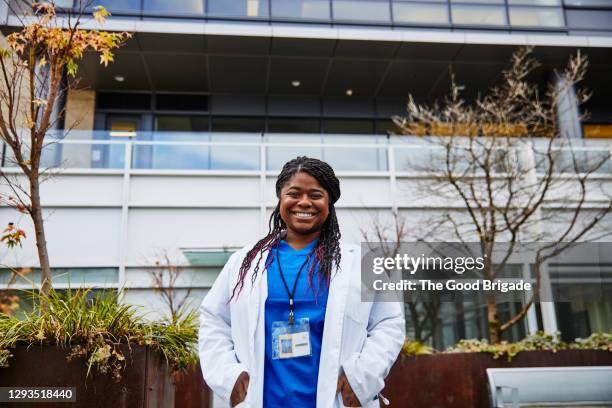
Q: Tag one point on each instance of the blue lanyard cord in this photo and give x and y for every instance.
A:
(292, 293)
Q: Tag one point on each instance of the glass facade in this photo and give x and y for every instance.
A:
(180, 123)
(545, 14)
(535, 2)
(420, 12)
(237, 8)
(187, 7)
(362, 10)
(301, 9)
(540, 17)
(588, 3)
(470, 14)
(445, 318)
(123, 5)
(584, 294)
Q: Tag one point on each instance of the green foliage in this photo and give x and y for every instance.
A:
(94, 328)
(542, 341)
(415, 348)
(596, 341)
(538, 341)
(12, 236)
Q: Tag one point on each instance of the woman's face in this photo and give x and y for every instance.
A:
(304, 204)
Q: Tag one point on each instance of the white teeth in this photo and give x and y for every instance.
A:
(302, 214)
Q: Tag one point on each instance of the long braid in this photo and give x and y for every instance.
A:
(327, 252)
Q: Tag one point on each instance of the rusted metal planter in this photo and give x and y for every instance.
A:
(459, 380)
(146, 381)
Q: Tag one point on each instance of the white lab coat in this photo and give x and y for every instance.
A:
(361, 338)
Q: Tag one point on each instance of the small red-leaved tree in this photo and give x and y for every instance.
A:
(33, 66)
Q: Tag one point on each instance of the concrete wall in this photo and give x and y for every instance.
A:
(80, 109)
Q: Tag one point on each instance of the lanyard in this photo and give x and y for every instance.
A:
(292, 293)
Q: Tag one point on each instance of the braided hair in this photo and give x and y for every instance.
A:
(327, 252)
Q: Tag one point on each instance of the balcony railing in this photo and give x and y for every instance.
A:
(254, 152)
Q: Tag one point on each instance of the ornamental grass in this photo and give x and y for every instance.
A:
(94, 325)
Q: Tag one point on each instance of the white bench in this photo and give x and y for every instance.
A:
(550, 386)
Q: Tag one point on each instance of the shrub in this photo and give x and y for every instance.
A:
(596, 341)
(94, 328)
(416, 348)
(538, 341)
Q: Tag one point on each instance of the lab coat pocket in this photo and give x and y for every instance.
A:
(339, 402)
(354, 334)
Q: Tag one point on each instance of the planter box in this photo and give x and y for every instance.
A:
(146, 381)
(459, 380)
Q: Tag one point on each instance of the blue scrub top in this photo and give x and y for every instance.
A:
(292, 382)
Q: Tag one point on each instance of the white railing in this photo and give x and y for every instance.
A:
(267, 152)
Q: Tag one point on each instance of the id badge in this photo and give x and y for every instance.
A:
(291, 340)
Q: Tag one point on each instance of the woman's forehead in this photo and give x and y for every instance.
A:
(303, 180)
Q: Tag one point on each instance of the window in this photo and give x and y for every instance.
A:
(536, 16)
(589, 19)
(293, 125)
(181, 102)
(117, 100)
(478, 15)
(535, 2)
(478, 1)
(385, 127)
(369, 10)
(238, 124)
(181, 123)
(19, 7)
(348, 126)
(583, 305)
(592, 130)
(588, 3)
(195, 7)
(421, 13)
(309, 9)
(122, 123)
(119, 126)
(237, 8)
(63, 3)
(132, 6)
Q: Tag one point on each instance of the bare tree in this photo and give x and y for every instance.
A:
(423, 316)
(32, 72)
(165, 276)
(513, 168)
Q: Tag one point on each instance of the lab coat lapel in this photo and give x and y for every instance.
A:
(256, 321)
(332, 332)
(257, 296)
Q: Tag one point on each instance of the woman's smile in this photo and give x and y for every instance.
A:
(305, 215)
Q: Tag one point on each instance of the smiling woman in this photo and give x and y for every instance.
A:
(292, 297)
(304, 205)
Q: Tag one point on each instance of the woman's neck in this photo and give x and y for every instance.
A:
(299, 241)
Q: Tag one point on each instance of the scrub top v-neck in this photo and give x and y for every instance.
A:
(292, 382)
